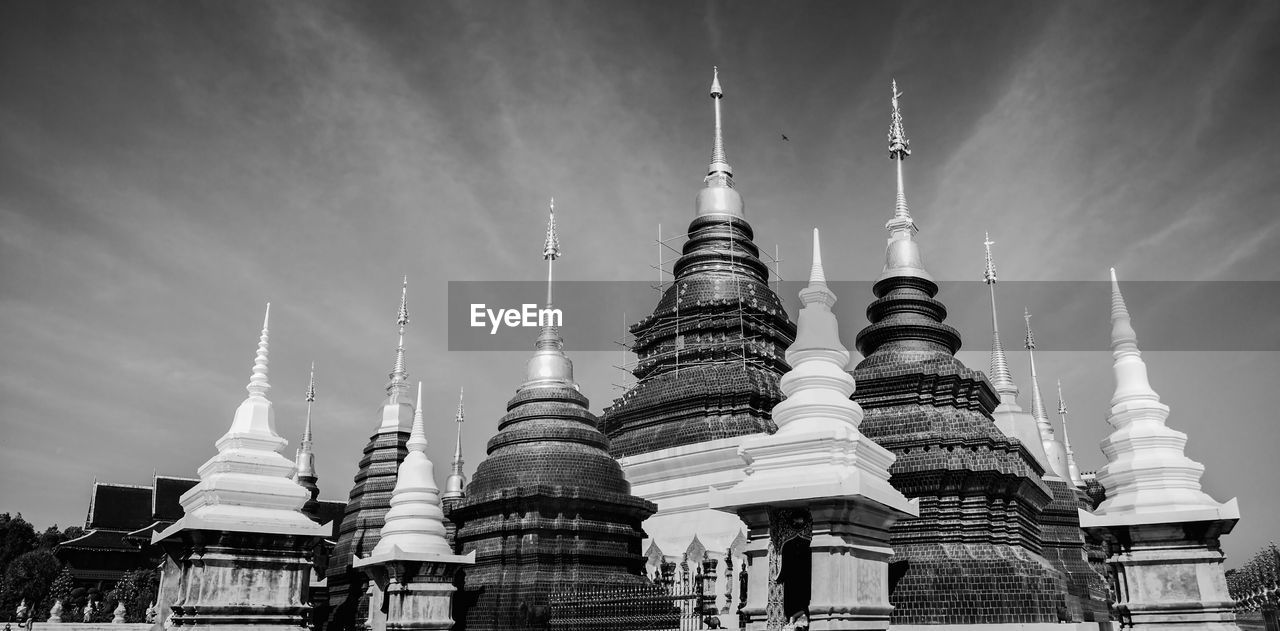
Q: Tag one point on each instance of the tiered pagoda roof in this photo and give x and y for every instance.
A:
(710, 355)
(973, 554)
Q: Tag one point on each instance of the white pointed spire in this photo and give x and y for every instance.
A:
(455, 486)
(718, 196)
(1148, 478)
(1053, 449)
(415, 523)
(258, 386)
(248, 485)
(1072, 469)
(399, 385)
(1001, 378)
(817, 450)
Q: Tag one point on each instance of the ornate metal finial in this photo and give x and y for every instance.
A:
(899, 150)
(899, 146)
(258, 385)
(1062, 407)
(456, 484)
(399, 376)
(311, 398)
(1030, 342)
(719, 171)
(304, 459)
(990, 274)
(418, 435)
(551, 246)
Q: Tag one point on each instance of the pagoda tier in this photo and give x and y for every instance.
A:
(710, 356)
(973, 554)
(547, 512)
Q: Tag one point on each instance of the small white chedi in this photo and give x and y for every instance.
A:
(412, 566)
(820, 471)
(1163, 529)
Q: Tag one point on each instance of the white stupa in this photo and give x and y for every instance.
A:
(248, 485)
(1147, 478)
(414, 528)
(817, 451)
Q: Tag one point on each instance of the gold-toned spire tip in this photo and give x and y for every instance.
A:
(1030, 342)
(311, 385)
(551, 245)
(459, 418)
(716, 92)
(989, 275)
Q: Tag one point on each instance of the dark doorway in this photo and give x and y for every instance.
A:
(795, 576)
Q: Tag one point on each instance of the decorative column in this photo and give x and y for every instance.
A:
(238, 556)
(412, 567)
(817, 478)
(1163, 530)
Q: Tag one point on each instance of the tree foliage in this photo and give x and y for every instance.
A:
(137, 590)
(30, 577)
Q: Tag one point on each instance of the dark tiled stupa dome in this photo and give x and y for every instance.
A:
(693, 383)
(548, 510)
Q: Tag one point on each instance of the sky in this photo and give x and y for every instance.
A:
(168, 168)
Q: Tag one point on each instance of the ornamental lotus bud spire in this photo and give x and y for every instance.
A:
(258, 386)
(455, 486)
(1037, 402)
(1000, 376)
(817, 276)
(399, 385)
(817, 291)
(1072, 469)
(551, 246)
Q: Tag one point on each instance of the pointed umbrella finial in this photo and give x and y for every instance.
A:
(1072, 468)
(817, 291)
(258, 385)
(456, 484)
(1001, 378)
(1122, 332)
(1052, 448)
(551, 246)
(418, 435)
(899, 146)
(719, 163)
(399, 376)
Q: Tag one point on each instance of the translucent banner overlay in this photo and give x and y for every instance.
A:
(1066, 315)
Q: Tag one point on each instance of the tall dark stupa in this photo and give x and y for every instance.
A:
(548, 511)
(973, 554)
(370, 497)
(710, 355)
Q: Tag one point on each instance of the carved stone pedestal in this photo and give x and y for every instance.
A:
(412, 594)
(1170, 576)
(232, 581)
(848, 546)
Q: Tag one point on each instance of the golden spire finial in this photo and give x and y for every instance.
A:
(1000, 375)
(455, 485)
(551, 246)
(304, 459)
(399, 376)
(899, 149)
(719, 168)
(311, 398)
(990, 274)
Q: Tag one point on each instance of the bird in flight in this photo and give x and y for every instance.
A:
(784, 137)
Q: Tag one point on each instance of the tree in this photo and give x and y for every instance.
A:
(17, 537)
(29, 577)
(50, 538)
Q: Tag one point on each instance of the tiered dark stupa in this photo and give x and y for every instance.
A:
(973, 555)
(709, 358)
(549, 511)
(370, 498)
